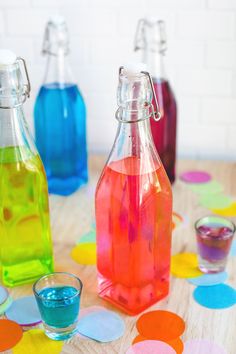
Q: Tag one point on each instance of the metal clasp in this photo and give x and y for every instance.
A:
(163, 39)
(140, 40)
(27, 86)
(155, 114)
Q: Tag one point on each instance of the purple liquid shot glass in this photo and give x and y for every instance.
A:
(214, 238)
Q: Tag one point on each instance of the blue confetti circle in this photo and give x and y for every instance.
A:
(24, 311)
(215, 297)
(233, 249)
(102, 325)
(209, 279)
(3, 295)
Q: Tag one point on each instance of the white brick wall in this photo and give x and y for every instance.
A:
(201, 62)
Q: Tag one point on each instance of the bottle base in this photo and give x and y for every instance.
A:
(133, 301)
(65, 186)
(27, 272)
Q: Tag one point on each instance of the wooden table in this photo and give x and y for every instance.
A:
(71, 217)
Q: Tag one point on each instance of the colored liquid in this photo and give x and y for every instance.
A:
(214, 242)
(164, 131)
(133, 221)
(26, 249)
(60, 313)
(60, 130)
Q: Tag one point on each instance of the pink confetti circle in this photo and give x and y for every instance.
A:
(203, 346)
(151, 347)
(195, 177)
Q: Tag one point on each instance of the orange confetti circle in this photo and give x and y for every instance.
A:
(160, 325)
(176, 344)
(10, 334)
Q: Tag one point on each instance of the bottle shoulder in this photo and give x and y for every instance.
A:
(135, 171)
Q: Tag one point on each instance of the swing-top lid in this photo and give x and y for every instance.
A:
(13, 90)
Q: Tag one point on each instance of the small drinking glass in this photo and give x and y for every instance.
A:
(58, 298)
(214, 239)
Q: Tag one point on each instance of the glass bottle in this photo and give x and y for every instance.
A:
(60, 116)
(133, 205)
(26, 247)
(151, 40)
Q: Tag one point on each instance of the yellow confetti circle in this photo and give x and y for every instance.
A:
(229, 211)
(35, 341)
(185, 265)
(84, 253)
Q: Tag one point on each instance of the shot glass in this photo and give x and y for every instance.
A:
(58, 298)
(214, 238)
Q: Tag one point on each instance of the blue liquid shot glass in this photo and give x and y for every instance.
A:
(58, 298)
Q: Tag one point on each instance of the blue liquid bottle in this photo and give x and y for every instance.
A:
(60, 117)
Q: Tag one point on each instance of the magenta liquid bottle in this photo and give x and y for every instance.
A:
(151, 40)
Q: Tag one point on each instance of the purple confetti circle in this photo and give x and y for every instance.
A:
(195, 177)
(203, 346)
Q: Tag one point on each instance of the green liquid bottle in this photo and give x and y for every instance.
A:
(25, 236)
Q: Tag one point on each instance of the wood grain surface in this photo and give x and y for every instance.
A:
(72, 216)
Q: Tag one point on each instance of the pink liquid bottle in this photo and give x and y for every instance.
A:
(151, 40)
(134, 205)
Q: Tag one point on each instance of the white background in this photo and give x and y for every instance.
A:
(201, 62)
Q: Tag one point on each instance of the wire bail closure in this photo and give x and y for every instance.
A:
(155, 114)
(47, 42)
(27, 86)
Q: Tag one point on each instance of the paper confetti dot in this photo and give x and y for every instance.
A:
(88, 238)
(84, 253)
(215, 297)
(197, 346)
(233, 248)
(185, 265)
(3, 294)
(138, 339)
(85, 311)
(229, 211)
(151, 347)
(103, 326)
(10, 334)
(176, 344)
(209, 279)
(215, 201)
(160, 325)
(35, 341)
(212, 187)
(6, 305)
(195, 177)
(24, 311)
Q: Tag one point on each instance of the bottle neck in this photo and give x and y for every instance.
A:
(135, 139)
(14, 130)
(57, 69)
(155, 62)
